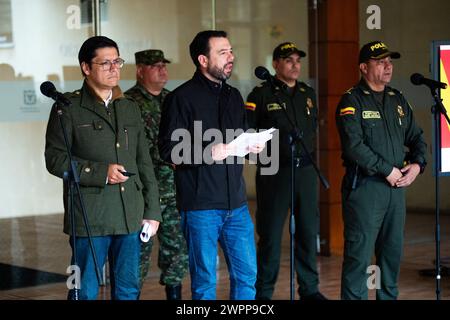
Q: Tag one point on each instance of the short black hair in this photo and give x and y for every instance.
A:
(200, 44)
(88, 48)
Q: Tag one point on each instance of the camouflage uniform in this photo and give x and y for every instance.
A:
(172, 258)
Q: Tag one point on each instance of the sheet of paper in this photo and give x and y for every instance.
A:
(240, 146)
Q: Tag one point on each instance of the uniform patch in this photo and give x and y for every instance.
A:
(250, 106)
(302, 90)
(391, 93)
(347, 111)
(371, 115)
(401, 114)
(273, 107)
(366, 92)
(309, 103)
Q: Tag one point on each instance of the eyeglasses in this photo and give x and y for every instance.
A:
(107, 65)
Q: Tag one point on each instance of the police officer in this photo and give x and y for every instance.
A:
(149, 93)
(375, 124)
(288, 105)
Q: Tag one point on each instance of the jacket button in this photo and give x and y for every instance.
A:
(118, 145)
(87, 170)
(122, 188)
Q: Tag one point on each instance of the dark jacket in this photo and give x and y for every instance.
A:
(97, 138)
(298, 110)
(374, 135)
(203, 186)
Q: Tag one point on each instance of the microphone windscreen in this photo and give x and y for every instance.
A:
(262, 73)
(47, 88)
(416, 78)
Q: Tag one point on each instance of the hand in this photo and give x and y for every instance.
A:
(220, 151)
(153, 223)
(410, 173)
(114, 175)
(393, 177)
(257, 148)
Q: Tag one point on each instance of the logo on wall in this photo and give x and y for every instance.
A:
(29, 97)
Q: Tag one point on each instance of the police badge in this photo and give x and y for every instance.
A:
(309, 105)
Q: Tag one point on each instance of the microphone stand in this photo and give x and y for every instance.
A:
(72, 179)
(295, 136)
(437, 110)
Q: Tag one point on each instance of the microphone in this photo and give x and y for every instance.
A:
(418, 79)
(262, 73)
(48, 89)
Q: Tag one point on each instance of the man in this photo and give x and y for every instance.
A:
(149, 93)
(375, 124)
(210, 193)
(106, 138)
(290, 106)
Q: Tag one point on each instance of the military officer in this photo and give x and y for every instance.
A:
(290, 106)
(106, 138)
(376, 124)
(149, 93)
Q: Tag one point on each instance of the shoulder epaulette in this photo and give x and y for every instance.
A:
(349, 91)
(73, 94)
(392, 91)
(304, 84)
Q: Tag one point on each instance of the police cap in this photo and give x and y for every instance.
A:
(376, 50)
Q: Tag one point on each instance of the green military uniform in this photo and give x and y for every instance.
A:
(172, 258)
(374, 129)
(98, 137)
(298, 109)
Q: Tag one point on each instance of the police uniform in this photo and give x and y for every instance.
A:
(172, 257)
(374, 129)
(286, 108)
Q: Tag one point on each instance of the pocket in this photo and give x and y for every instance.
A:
(85, 125)
(91, 133)
(139, 185)
(374, 131)
(130, 136)
(90, 190)
(277, 116)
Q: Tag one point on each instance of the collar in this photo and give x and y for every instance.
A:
(214, 86)
(366, 89)
(148, 94)
(116, 93)
(108, 100)
(90, 99)
(144, 91)
(283, 84)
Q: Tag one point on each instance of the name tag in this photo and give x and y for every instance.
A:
(371, 115)
(273, 107)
